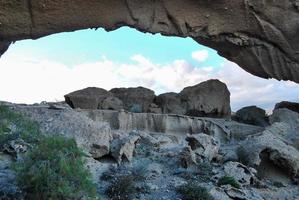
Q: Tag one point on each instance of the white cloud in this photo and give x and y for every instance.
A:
(26, 80)
(200, 56)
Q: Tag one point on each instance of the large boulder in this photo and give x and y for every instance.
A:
(252, 115)
(272, 155)
(207, 99)
(88, 98)
(111, 103)
(134, 98)
(288, 105)
(205, 146)
(170, 103)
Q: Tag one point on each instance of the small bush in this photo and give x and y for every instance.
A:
(243, 156)
(54, 169)
(192, 191)
(125, 181)
(14, 125)
(122, 188)
(228, 180)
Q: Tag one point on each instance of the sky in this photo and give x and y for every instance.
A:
(48, 68)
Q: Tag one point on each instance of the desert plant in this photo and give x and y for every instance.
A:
(122, 188)
(14, 125)
(192, 191)
(54, 169)
(125, 180)
(228, 180)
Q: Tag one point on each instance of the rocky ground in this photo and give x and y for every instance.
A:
(152, 155)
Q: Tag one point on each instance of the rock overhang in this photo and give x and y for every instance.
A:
(261, 37)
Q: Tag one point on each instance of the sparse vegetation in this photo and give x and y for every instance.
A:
(124, 184)
(192, 191)
(54, 169)
(202, 172)
(13, 125)
(228, 180)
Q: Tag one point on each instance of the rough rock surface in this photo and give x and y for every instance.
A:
(124, 148)
(288, 105)
(111, 103)
(204, 146)
(170, 103)
(135, 97)
(93, 137)
(287, 123)
(251, 33)
(271, 153)
(161, 158)
(88, 98)
(178, 125)
(252, 115)
(207, 99)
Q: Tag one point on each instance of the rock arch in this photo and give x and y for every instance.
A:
(261, 36)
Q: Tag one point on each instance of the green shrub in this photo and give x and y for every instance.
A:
(54, 169)
(192, 191)
(228, 180)
(14, 125)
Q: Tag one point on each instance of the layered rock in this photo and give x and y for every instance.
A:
(251, 33)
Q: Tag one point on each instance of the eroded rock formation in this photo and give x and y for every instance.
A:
(260, 36)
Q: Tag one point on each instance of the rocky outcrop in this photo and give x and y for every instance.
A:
(204, 146)
(251, 33)
(111, 103)
(135, 99)
(207, 99)
(123, 149)
(93, 137)
(288, 105)
(88, 98)
(252, 115)
(170, 103)
(273, 156)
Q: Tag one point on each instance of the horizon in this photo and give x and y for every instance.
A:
(50, 67)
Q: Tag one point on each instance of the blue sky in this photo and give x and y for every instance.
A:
(90, 45)
(48, 68)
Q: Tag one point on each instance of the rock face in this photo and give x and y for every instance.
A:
(112, 103)
(93, 137)
(89, 98)
(170, 103)
(288, 105)
(135, 97)
(252, 115)
(251, 33)
(207, 99)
